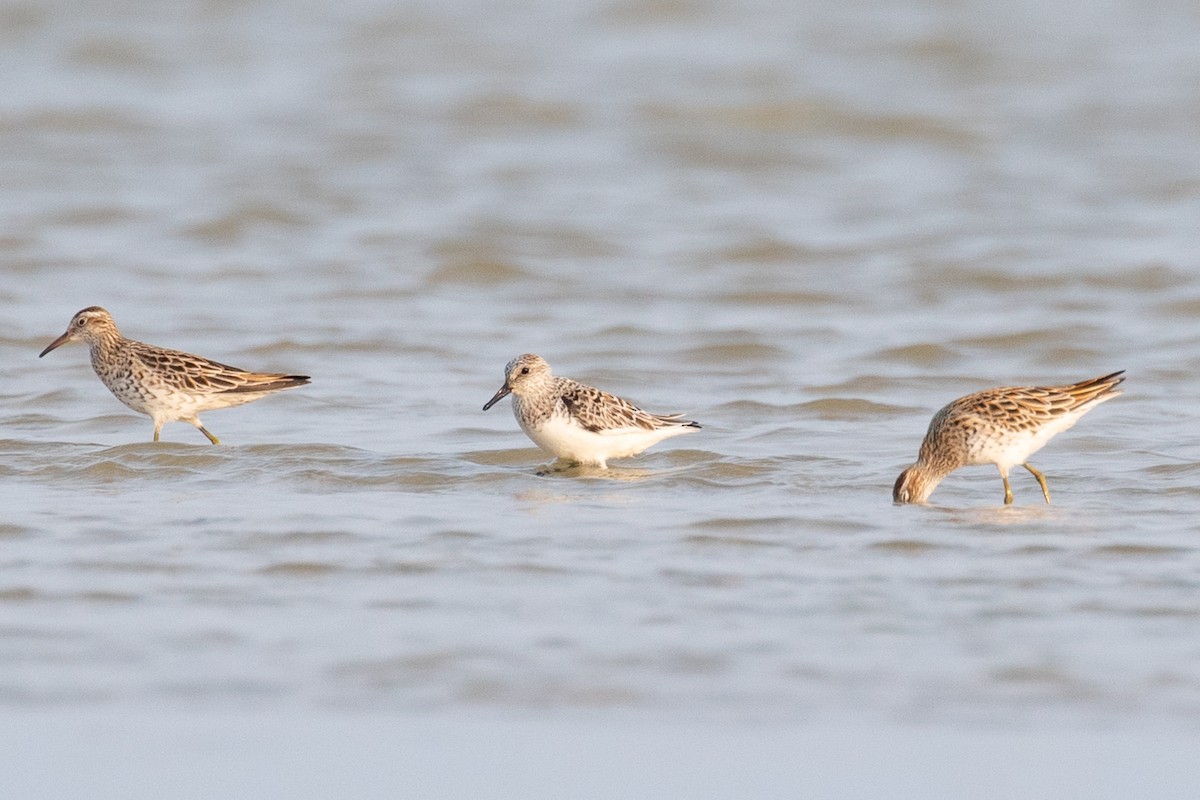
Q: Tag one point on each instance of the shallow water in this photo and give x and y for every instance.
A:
(808, 229)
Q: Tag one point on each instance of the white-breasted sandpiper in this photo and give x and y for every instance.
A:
(579, 423)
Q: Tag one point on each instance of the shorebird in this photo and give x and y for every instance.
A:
(579, 423)
(1003, 426)
(166, 385)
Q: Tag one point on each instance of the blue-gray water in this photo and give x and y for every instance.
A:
(809, 228)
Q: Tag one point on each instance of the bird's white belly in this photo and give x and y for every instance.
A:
(560, 436)
(1010, 448)
(159, 400)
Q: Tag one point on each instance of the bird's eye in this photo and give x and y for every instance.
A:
(524, 370)
(79, 323)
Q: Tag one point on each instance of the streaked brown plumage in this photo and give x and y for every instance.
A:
(1002, 426)
(166, 385)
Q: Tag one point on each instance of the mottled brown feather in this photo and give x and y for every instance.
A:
(162, 383)
(1002, 426)
(596, 410)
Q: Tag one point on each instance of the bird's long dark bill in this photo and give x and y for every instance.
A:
(59, 342)
(504, 390)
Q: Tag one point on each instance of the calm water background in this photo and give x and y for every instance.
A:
(808, 227)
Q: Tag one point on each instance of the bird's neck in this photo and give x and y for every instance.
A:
(105, 347)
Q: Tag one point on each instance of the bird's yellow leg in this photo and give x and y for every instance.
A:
(1007, 490)
(1041, 479)
(211, 438)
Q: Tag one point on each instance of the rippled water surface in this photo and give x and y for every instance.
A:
(808, 228)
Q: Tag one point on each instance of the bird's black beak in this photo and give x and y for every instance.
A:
(496, 398)
(59, 342)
